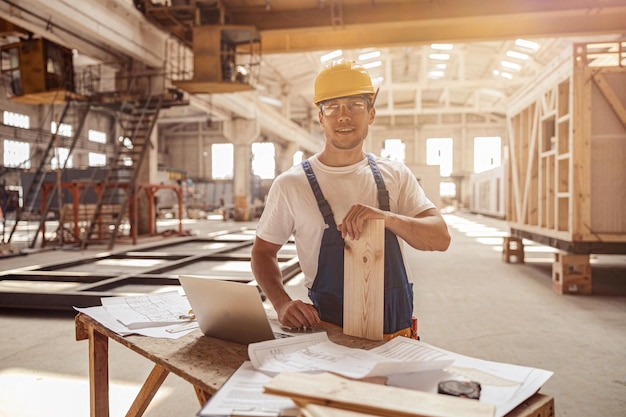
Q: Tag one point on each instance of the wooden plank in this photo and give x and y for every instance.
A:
(580, 189)
(380, 400)
(364, 282)
(98, 373)
(148, 391)
(315, 410)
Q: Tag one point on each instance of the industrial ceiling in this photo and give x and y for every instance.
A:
(470, 84)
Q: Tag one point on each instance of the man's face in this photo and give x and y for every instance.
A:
(346, 121)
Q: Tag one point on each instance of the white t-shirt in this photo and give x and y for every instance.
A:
(291, 208)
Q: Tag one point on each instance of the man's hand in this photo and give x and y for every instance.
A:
(352, 223)
(296, 314)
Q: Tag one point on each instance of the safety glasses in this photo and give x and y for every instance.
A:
(353, 105)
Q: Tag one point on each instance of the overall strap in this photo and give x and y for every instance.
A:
(383, 194)
(323, 205)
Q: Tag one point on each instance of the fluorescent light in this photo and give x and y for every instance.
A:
(373, 64)
(511, 65)
(506, 75)
(442, 46)
(441, 66)
(517, 55)
(369, 55)
(331, 55)
(436, 74)
(533, 46)
(495, 72)
(441, 57)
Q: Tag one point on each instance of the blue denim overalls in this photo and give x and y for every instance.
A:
(327, 290)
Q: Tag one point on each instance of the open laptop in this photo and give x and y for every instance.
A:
(229, 310)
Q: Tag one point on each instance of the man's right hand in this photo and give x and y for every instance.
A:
(297, 314)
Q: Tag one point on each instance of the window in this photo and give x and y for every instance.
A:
(297, 157)
(222, 161)
(263, 162)
(487, 153)
(394, 149)
(16, 120)
(97, 136)
(447, 189)
(439, 152)
(60, 156)
(16, 154)
(64, 129)
(97, 159)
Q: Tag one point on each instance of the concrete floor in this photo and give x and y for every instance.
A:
(468, 301)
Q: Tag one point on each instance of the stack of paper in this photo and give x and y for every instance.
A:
(164, 315)
(407, 363)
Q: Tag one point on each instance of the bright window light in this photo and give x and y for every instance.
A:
(16, 154)
(96, 136)
(331, 55)
(297, 157)
(394, 149)
(64, 129)
(222, 161)
(369, 55)
(263, 160)
(97, 159)
(439, 152)
(511, 65)
(373, 64)
(59, 159)
(517, 55)
(447, 189)
(487, 153)
(442, 46)
(533, 46)
(440, 57)
(16, 119)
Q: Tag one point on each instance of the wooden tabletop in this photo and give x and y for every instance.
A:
(204, 361)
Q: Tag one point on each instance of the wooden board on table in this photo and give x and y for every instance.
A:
(379, 400)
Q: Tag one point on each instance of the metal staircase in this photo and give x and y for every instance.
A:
(117, 193)
(30, 198)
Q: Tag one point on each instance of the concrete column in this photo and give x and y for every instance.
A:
(284, 156)
(242, 132)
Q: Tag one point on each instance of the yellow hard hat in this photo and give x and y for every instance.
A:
(340, 79)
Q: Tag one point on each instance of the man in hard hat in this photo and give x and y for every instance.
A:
(330, 196)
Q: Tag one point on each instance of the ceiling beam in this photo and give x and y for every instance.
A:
(437, 21)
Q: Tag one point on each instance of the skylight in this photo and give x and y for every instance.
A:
(532, 46)
(331, 55)
(440, 57)
(369, 55)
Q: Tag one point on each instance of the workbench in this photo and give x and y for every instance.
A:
(206, 363)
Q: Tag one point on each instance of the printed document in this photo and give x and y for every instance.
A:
(316, 353)
(243, 395)
(153, 315)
